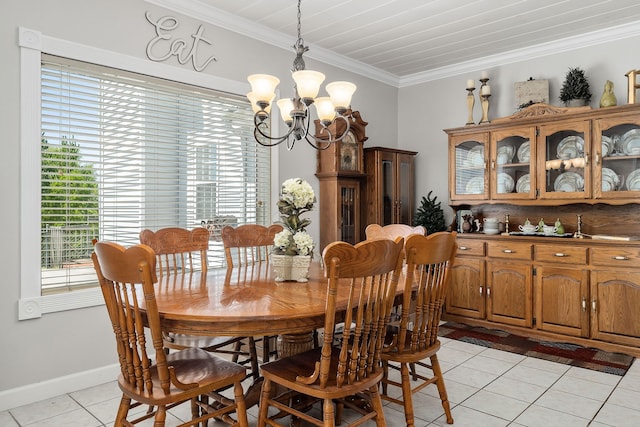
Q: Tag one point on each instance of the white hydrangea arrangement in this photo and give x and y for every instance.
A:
(296, 198)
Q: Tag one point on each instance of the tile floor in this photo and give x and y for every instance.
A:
(486, 388)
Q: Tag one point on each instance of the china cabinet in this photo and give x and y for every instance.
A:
(390, 186)
(340, 171)
(579, 167)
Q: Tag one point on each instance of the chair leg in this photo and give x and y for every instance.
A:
(241, 407)
(406, 394)
(263, 406)
(123, 410)
(376, 403)
(442, 391)
(161, 416)
(328, 414)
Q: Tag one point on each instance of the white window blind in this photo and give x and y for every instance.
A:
(122, 152)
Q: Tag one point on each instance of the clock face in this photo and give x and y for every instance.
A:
(349, 159)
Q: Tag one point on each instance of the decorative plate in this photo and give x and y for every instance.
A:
(571, 147)
(569, 182)
(631, 142)
(505, 183)
(524, 152)
(633, 180)
(607, 146)
(475, 156)
(475, 185)
(523, 185)
(610, 180)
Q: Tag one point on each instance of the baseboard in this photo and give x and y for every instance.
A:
(31, 393)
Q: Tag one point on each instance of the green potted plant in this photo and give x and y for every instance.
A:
(575, 89)
(430, 215)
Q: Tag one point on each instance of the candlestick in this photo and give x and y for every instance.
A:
(485, 108)
(471, 100)
(471, 84)
(485, 90)
(484, 75)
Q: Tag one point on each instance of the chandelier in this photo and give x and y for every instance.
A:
(296, 111)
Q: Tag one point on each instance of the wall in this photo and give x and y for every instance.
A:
(69, 350)
(425, 110)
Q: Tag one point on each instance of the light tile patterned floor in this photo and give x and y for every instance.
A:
(486, 388)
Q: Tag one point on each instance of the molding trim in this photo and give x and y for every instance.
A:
(220, 18)
(12, 398)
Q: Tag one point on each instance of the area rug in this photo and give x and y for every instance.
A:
(568, 354)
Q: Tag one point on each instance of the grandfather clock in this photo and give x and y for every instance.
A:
(340, 171)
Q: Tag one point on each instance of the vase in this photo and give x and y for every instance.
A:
(291, 267)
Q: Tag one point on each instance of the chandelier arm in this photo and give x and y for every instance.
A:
(258, 124)
(319, 143)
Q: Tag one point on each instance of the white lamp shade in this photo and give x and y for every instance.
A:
(263, 86)
(254, 103)
(341, 93)
(325, 109)
(286, 106)
(308, 83)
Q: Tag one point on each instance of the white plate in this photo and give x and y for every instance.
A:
(610, 180)
(571, 147)
(607, 146)
(475, 156)
(631, 142)
(523, 184)
(475, 185)
(633, 180)
(568, 182)
(505, 183)
(505, 154)
(524, 152)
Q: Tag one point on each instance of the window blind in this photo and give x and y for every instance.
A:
(121, 152)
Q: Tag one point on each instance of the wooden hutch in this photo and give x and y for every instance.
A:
(580, 166)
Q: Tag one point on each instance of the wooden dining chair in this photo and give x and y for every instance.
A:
(391, 231)
(429, 260)
(368, 272)
(179, 250)
(251, 244)
(148, 375)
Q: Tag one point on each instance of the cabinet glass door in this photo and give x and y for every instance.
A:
(512, 156)
(564, 170)
(405, 186)
(469, 180)
(388, 179)
(349, 222)
(617, 158)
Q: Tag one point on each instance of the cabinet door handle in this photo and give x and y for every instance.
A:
(480, 289)
(597, 159)
(593, 305)
(508, 251)
(488, 292)
(584, 304)
(620, 258)
(560, 254)
(463, 248)
(586, 159)
(493, 165)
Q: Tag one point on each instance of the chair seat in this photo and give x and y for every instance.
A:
(284, 372)
(405, 353)
(193, 367)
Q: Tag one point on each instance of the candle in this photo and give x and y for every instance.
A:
(485, 90)
(484, 75)
(471, 84)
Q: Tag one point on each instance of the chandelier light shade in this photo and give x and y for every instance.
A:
(295, 112)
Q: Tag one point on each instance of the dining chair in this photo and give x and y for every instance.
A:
(334, 373)
(251, 244)
(179, 250)
(391, 231)
(428, 260)
(148, 374)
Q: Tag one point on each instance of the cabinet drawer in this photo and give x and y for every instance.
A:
(560, 254)
(510, 250)
(470, 247)
(616, 257)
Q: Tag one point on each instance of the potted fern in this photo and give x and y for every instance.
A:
(575, 90)
(430, 215)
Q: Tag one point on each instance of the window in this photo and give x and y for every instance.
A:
(121, 152)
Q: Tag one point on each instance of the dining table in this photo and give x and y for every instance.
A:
(247, 301)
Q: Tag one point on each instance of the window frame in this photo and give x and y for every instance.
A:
(32, 44)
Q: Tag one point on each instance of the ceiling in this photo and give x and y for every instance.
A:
(403, 42)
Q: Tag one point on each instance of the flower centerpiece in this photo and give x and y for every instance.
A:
(293, 246)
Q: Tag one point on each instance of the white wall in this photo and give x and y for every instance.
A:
(425, 110)
(69, 350)
(42, 357)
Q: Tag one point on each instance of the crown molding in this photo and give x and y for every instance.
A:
(198, 10)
